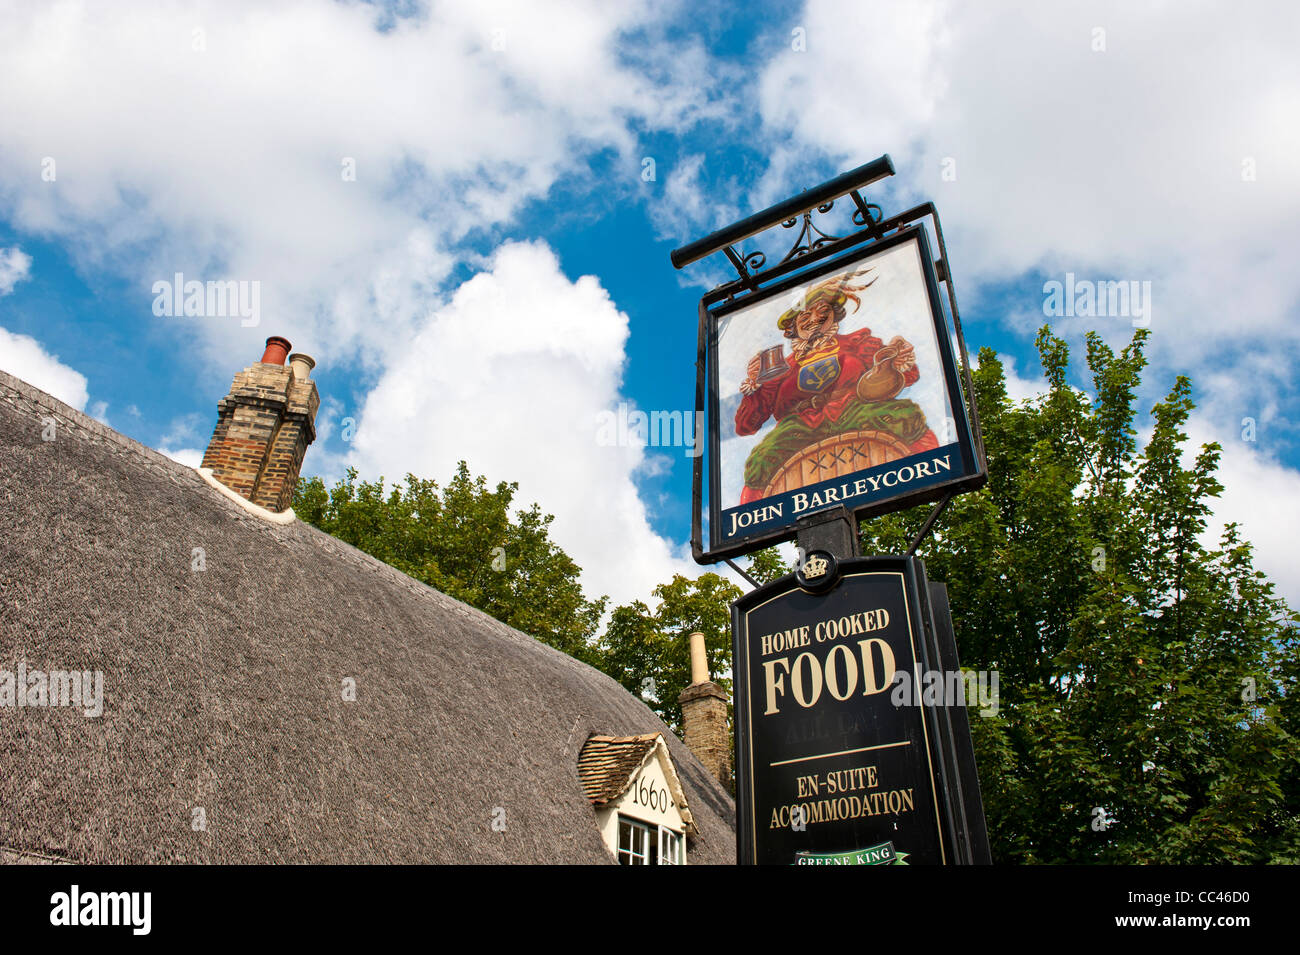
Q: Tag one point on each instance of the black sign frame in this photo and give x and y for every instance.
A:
(950, 779)
(971, 470)
(815, 253)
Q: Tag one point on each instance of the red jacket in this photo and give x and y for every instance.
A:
(816, 389)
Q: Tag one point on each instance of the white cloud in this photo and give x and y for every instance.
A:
(190, 457)
(1259, 494)
(220, 143)
(182, 428)
(14, 267)
(868, 81)
(24, 358)
(1121, 164)
(216, 142)
(1019, 388)
(511, 376)
(685, 202)
(1130, 163)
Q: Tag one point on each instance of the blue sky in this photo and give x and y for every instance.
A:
(494, 274)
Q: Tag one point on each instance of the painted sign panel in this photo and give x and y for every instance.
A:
(837, 387)
(831, 771)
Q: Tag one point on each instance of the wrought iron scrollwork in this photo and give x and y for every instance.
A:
(810, 237)
(872, 210)
(747, 264)
(865, 213)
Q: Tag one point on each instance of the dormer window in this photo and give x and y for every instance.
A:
(672, 847)
(641, 844)
(640, 807)
(634, 842)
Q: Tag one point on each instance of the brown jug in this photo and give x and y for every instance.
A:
(772, 366)
(883, 381)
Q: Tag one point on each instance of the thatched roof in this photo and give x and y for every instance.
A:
(223, 687)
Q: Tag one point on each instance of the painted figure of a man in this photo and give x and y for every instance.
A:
(831, 384)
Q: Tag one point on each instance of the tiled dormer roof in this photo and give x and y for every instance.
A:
(608, 764)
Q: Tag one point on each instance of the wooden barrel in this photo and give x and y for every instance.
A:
(836, 456)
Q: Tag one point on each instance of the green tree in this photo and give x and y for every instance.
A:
(648, 651)
(1140, 672)
(767, 565)
(463, 541)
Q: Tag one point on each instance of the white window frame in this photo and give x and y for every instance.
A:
(639, 838)
(670, 845)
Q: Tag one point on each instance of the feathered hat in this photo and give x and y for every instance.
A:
(838, 291)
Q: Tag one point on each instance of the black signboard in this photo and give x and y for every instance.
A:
(831, 768)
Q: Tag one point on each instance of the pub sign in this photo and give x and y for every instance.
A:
(835, 387)
(831, 770)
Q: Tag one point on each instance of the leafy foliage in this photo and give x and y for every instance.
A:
(649, 651)
(767, 565)
(463, 541)
(1141, 673)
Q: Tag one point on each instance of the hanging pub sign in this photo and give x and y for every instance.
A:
(829, 378)
(834, 765)
(838, 387)
(833, 393)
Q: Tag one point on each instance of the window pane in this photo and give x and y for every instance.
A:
(639, 841)
(642, 844)
(669, 847)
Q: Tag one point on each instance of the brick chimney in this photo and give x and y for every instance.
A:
(704, 716)
(264, 426)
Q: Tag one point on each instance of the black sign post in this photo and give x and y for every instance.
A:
(839, 759)
(833, 393)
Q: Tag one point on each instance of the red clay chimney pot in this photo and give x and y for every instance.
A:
(276, 349)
